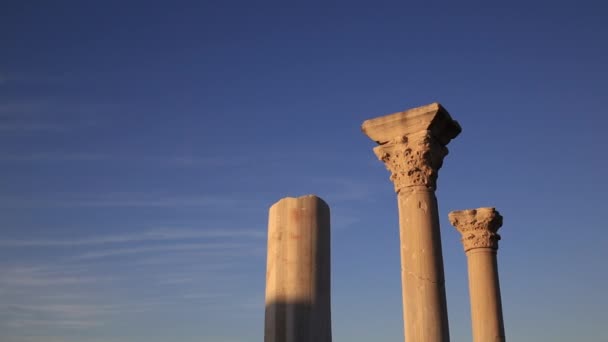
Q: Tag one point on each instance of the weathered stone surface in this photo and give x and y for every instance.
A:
(412, 144)
(422, 275)
(478, 227)
(298, 271)
(480, 240)
(432, 117)
(413, 160)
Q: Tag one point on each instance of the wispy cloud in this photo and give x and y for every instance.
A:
(165, 234)
(52, 157)
(31, 126)
(13, 77)
(114, 252)
(66, 310)
(341, 221)
(121, 200)
(60, 315)
(346, 190)
(204, 296)
(28, 336)
(181, 257)
(43, 296)
(193, 273)
(19, 110)
(204, 161)
(53, 322)
(38, 116)
(42, 276)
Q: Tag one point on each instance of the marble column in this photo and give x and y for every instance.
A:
(412, 144)
(480, 239)
(298, 271)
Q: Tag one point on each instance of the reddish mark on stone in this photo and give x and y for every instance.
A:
(295, 215)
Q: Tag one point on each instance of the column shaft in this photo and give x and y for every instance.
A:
(484, 289)
(423, 285)
(412, 145)
(479, 229)
(298, 271)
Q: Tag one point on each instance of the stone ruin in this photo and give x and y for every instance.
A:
(412, 144)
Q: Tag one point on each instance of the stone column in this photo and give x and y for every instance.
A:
(298, 271)
(478, 228)
(412, 144)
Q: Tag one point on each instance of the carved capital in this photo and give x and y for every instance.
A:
(478, 227)
(413, 160)
(412, 143)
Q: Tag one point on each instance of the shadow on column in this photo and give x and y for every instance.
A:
(296, 322)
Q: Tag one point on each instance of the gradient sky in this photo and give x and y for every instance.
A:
(142, 143)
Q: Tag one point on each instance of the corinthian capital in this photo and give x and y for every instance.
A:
(412, 160)
(413, 143)
(478, 227)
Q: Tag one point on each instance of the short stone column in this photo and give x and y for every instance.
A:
(478, 228)
(298, 271)
(412, 144)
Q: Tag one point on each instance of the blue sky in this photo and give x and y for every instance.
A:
(142, 143)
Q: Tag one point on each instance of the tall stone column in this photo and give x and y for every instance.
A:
(298, 271)
(478, 228)
(412, 144)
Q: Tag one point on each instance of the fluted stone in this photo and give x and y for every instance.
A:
(298, 271)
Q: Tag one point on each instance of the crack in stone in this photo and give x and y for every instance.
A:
(425, 278)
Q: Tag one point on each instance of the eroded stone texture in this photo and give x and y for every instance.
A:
(298, 271)
(432, 117)
(412, 144)
(480, 240)
(412, 160)
(478, 227)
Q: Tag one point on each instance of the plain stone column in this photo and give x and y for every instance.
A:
(298, 271)
(412, 144)
(480, 239)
